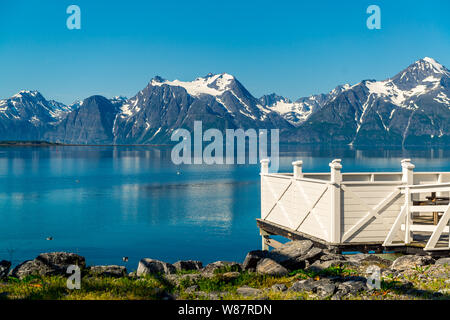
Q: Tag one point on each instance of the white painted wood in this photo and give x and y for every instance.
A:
(428, 208)
(423, 228)
(352, 207)
(431, 244)
(396, 227)
(371, 212)
(298, 172)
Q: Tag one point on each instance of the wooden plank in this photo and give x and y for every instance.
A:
(395, 228)
(429, 208)
(272, 243)
(424, 228)
(431, 244)
(372, 213)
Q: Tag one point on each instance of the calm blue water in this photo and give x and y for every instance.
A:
(108, 202)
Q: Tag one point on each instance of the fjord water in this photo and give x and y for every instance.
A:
(106, 203)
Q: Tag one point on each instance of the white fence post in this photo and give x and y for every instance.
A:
(298, 170)
(264, 171)
(408, 179)
(335, 190)
(264, 166)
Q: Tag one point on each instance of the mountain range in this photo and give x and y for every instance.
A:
(411, 108)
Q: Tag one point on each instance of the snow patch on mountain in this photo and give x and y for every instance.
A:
(214, 85)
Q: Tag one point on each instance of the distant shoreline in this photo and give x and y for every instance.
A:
(57, 144)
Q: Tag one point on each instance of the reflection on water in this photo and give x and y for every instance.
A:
(110, 202)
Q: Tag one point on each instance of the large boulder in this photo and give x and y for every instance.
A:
(188, 265)
(443, 261)
(108, 271)
(4, 268)
(48, 264)
(253, 257)
(291, 254)
(411, 261)
(271, 267)
(151, 266)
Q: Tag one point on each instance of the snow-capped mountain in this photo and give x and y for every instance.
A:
(413, 107)
(299, 111)
(219, 101)
(27, 114)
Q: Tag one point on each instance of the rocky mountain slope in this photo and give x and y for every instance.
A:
(411, 108)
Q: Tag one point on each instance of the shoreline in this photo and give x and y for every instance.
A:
(297, 270)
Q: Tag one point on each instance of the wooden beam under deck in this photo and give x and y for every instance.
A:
(272, 228)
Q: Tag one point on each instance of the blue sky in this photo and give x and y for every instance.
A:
(293, 48)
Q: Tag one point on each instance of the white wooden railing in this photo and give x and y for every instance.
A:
(404, 221)
(374, 207)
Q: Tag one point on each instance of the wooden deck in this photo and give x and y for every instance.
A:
(403, 211)
(415, 247)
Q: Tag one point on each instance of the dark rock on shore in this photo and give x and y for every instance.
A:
(108, 271)
(271, 267)
(47, 264)
(443, 261)
(188, 265)
(4, 268)
(222, 265)
(151, 266)
(253, 257)
(410, 261)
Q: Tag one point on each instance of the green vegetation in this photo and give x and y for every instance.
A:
(417, 283)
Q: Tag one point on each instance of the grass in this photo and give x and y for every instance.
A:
(417, 283)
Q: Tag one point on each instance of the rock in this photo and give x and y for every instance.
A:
(188, 265)
(324, 288)
(281, 287)
(177, 279)
(192, 289)
(46, 264)
(321, 265)
(229, 276)
(132, 275)
(4, 268)
(108, 271)
(367, 259)
(224, 266)
(411, 261)
(253, 257)
(248, 291)
(303, 285)
(290, 255)
(441, 261)
(152, 266)
(332, 256)
(351, 287)
(271, 267)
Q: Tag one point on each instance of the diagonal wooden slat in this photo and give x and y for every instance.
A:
(431, 244)
(277, 199)
(395, 227)
(372, 212)
(311, 207)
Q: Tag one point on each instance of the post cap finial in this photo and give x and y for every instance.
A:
(336, 164)
(297, 163)
(406, 163)
(264, 161)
